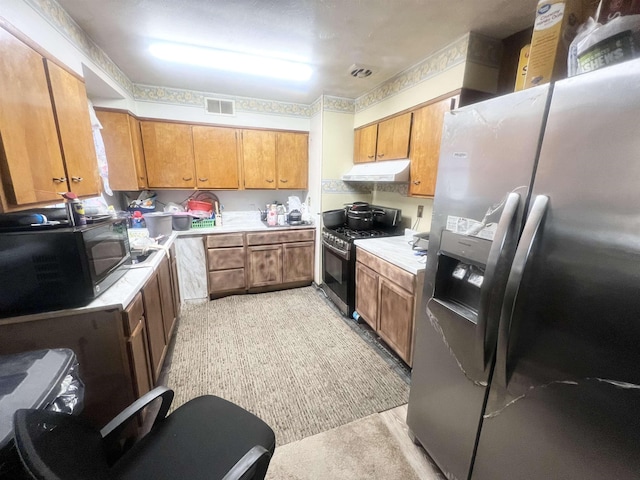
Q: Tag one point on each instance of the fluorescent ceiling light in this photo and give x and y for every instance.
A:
(232, 61)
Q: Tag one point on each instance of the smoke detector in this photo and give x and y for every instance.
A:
(360, 71)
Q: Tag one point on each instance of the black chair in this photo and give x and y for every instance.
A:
(207, 437)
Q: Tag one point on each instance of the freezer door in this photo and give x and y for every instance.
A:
(565, 395)
(487, 159)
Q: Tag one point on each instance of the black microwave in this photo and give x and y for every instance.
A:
(50, 269)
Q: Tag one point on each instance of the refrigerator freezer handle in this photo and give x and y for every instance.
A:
(529, 236)
(499, 249)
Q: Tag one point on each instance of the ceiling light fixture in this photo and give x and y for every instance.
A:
(232, 61)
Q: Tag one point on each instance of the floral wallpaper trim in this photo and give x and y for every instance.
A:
(316, 107)
(177, 96)
(338, 186)
(400, 188)
(339, 104)
(448, 57)
(59, 19)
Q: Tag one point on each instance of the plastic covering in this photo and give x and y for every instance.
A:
(41, 379)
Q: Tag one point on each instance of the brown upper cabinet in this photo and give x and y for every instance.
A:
(387, 140)
(393, 138)
(259, 159)
(216, 155)
(425, 146)
(275, 159)
(366, 138)
(168, 153)
(123, 147)
(35, 142)
(71, 109)
(292, 159)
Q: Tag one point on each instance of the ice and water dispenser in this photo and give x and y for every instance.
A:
(462, 261)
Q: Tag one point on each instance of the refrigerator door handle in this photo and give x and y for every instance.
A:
(499, 249)
(529, 236)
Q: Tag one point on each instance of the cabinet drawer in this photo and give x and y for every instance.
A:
(225, 240)
(280, 236)
(397, 275)
(225, 258)
(132, 314)
(224, 280)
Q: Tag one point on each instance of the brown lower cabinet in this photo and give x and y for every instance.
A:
(387, 298)
(258, 261)
(120, 353)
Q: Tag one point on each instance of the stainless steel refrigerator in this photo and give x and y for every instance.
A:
(527, 352)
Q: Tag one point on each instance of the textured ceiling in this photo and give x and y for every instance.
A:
(387, 35)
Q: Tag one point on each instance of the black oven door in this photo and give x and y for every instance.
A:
(107, 250)
(336, 275)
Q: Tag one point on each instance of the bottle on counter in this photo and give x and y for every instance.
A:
(75, 209)
(272, 216)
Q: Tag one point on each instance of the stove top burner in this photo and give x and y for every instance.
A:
(356, 234)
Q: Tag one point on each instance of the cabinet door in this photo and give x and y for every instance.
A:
(76, 136)
(425, 147)
(297, 262)
(265, 265)
(31, 162)
(168, 153)
(395, 318)
(155, 325)
(139, 359)
(292, 160)
(367, 294)
(393, 138)
(216, 154)
(118, 144)
(177, 300)
(367, 148)
(166, 298)
(138, 152)
(259, 159)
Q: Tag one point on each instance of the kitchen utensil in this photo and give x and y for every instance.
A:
(362, 221)
(334, 218)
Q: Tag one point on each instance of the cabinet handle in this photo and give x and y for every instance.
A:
(416, 182)
(202, 179)
(76, 179)
(381, 155)
(270, 180)
(186, 179)
(283, 180)
(60, 179)
(141, 178)
(369, 156)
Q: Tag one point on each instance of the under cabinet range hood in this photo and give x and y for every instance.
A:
(387, 171)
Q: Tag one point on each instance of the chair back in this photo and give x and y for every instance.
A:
(59, 446)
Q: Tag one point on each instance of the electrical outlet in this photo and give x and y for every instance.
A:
(420, 209)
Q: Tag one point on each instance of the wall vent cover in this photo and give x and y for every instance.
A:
(219, 106)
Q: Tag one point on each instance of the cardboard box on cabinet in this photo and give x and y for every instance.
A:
(555, 26)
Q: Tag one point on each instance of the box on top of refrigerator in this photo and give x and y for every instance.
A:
(555, 26)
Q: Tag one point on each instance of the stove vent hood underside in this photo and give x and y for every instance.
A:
(387, 171)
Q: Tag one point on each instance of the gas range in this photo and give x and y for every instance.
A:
(339, 257)
(342, 238)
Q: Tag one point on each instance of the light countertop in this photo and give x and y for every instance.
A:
(395, 250)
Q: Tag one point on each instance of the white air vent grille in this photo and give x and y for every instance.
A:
(218, 106)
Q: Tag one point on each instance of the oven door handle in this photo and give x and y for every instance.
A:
(340, 253)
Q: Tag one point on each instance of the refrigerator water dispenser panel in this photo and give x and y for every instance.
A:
(460, 273)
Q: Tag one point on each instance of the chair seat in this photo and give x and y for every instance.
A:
(198, 440)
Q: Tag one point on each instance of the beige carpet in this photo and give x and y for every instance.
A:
(361, 450)
(286, 356)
